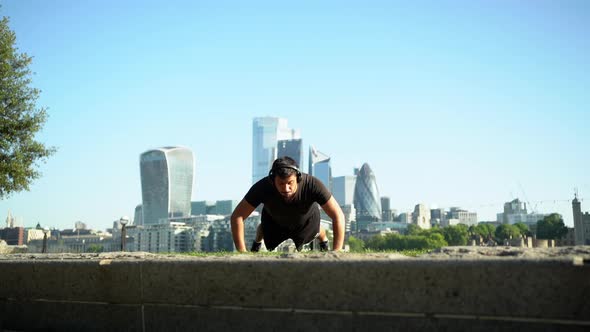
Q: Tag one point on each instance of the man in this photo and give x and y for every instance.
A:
(290, 210)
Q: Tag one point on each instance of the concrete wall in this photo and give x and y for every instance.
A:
(321, 292)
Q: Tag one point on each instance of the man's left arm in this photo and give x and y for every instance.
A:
(334, 211)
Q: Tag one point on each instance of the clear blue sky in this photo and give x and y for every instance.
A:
(452, 103)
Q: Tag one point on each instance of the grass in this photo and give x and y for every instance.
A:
(407, 252)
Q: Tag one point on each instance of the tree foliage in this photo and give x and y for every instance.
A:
(551, 227)
(96, 248)
(505, 232)
(456, 235)
(398, 242)
(356, 245)
(486, 231)
(413, 229)
(524, 229)
(20, 118)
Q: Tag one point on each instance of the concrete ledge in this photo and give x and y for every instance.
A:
(47, 315)
(167, 318)
(344, 292)
(449, 287)
(83, 281)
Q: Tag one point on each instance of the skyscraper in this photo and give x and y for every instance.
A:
(343, 192)
(343, 189)
(166, 183)
(266, 132)
(437, 216)
(291, 148)
(320, 166)
(366, 195)
(138, 217)
(386, 213)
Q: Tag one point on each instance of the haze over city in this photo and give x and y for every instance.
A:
(452, 103)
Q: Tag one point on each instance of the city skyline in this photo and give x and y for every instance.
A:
(451, 103)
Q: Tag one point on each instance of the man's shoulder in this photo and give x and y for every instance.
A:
(306, 177)
(259, 192)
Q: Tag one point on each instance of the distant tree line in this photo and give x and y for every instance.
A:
(550, 227)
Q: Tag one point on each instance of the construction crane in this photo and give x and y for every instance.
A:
(533, 209)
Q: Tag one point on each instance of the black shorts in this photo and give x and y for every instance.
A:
(275, 234)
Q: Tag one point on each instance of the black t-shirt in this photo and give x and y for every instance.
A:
(292, 214)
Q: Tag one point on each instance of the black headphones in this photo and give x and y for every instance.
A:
(272, 172)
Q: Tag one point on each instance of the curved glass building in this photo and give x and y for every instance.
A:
(320, 166)
(367, 201)
(166, 183)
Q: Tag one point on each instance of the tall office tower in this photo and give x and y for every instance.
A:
(343, 192)
(266, 132)
(421, 216)
(138, 216)
(386, 212)
(320, 166)
(579, 232)
(367, 201)
(291, 148)
(437, 216)
(343, 189)
(166, 183)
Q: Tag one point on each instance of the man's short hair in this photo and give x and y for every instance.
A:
(283, 168)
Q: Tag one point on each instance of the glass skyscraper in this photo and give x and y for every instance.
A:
(366, 195)
(291, 148)
(320, 166)
(166, 183)
(266, 132)
(138, 215)
(343, 189)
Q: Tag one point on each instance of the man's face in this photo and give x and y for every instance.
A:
(287, 187)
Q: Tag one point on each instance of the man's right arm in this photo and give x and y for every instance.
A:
(242, 211)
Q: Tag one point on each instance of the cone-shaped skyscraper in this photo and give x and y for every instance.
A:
(367, 201)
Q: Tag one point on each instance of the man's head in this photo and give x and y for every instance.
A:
(285, 176)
